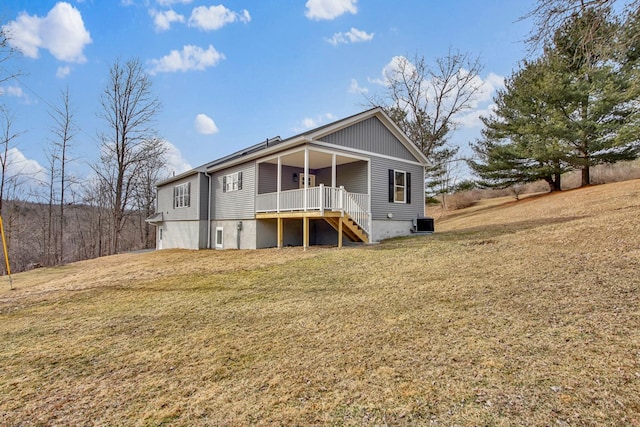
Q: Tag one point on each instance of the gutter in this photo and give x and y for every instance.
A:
(208, 212)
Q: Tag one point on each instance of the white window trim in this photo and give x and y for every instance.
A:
(311, 180)
(182, 195)
(220, 244)
(232, 181)
(396, 186)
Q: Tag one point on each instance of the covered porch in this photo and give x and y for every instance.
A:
(311, 183)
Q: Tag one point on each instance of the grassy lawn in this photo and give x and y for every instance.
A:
(513, 313)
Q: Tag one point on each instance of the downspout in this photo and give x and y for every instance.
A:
(208, 212)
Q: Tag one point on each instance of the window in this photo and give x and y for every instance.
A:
(232, 182)
(311, 180)
(182, 195)
(399, 186)
(219, 237)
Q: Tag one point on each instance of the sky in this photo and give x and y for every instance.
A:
(232, 74)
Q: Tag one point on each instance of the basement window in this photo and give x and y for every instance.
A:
(219, 237)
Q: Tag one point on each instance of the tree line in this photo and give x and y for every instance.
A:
(65, 220)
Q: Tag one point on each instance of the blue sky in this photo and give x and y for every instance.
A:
(232, 74)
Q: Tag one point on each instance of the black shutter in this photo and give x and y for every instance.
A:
(224, 184)
(175, 192)
(187, 200)
(239, 180)
(408, 187)
(391, 185)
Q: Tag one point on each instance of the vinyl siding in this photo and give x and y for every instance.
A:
(353, 177)
(235, 204)
(370, 135)
(203, 195)
(268, 178)
(380, 204)
(193, 211)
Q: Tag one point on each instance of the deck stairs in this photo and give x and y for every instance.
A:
(349, 228)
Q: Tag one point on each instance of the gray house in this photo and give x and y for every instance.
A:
(359, 179)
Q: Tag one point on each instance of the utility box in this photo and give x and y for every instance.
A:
(424, 225)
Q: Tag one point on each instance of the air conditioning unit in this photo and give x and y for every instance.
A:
(424, 225)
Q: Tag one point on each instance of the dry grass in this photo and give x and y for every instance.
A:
(513, 313)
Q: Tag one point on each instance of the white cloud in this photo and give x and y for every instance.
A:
(216, 17)
(166, 3)
(354, 87)
(24, 170)
(61, 32)
(190, 58)
(353, 36)
(490, 85)
(175, 162)
(12, 91)
(329, 9)
(164, 19)
(397, 66)
(472, 118)
(63, 72)
(205, 125)
(310, 123)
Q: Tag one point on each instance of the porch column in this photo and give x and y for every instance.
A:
(279, 185)
(306, 177)
(305, 232)
(280, 232)
(333, 170)
(340, 219)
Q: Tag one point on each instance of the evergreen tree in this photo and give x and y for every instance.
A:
(573, 108)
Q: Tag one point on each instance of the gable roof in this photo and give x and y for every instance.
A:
(276, 144)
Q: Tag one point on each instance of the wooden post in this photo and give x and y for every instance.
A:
(340, 219)
(305, 232)
(280, 232)
(6, 254)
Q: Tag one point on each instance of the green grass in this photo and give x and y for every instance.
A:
(523, 313)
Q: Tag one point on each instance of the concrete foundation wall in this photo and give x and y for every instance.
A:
(386, 229)
(179, 234)
(230, 234)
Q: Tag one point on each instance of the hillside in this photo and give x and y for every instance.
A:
(513, 313)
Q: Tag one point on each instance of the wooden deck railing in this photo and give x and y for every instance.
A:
(320, 198)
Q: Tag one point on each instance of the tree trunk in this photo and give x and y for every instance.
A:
(558, 181)
(586, 176)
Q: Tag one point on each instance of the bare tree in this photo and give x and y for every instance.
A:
(6, 52)
(7, 140)
(550, 15)
(425, 100)
(153, 170)
(63, 131)
(128, 107)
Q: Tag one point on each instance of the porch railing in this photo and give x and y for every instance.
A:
(320, 198)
